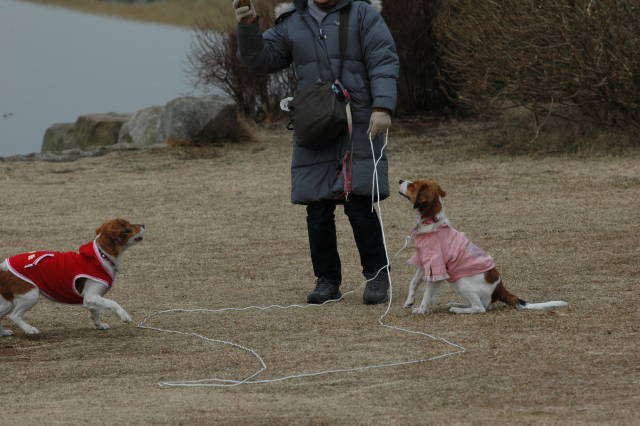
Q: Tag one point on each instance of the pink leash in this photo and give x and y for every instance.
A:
(347, 159)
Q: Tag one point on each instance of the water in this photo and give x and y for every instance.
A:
(57, 64)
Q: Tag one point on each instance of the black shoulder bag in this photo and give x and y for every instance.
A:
(319, 112)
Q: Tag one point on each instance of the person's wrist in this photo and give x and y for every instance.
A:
(382, 110)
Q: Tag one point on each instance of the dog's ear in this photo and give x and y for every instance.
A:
(111, 229)
(420, 201)
(100, 229)
(112, 237)
(123, 222)
(120, 231)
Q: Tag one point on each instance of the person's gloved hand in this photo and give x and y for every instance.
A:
(244, 10)
(380, 121)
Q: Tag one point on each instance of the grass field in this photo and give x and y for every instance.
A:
(183, 13)
(222, 233)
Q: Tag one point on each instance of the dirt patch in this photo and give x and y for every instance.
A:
(221, 232)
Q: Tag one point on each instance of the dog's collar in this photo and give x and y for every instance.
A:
(431, 224)
(106, 258)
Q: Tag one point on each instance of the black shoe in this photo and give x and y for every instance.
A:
(325, 290)
(377, 289)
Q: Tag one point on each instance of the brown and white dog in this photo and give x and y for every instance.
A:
(75, 278)
(444, 254)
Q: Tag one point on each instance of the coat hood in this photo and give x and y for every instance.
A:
(286, 8)
(302, 4)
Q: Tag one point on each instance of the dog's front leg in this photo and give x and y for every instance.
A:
(94, 301)
(95, 317)
(99, 303)
(413, 286)
(430, 297)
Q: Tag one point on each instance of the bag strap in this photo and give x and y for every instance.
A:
(344, 37)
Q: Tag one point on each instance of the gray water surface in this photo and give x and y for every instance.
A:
(57, 64)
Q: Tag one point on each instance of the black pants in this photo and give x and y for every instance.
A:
(322, 237)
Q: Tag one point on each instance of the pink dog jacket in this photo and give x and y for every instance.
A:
(55, 273)
(447, 254)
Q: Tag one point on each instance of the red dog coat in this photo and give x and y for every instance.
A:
(55, 273)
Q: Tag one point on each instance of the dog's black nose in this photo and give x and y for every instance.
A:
(401, 181)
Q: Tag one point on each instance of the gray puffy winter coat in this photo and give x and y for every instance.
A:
(370, 74)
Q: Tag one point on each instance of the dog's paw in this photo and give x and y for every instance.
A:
(102, 326)
(469, 310)
(408, 303)
(30, 329)
(124, 316)
(456, 305)
(420, 310)
(5, 333)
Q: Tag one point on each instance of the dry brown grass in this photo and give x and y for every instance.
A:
(221, 232)
(184, 13)
(518, 130)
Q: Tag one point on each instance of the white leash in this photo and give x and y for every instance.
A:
(218, 382)
(375, 189)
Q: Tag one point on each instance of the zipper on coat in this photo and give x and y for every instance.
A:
(323, 46)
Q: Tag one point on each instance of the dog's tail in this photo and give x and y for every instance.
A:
(542, 305)
(505, 296)
(502, 294)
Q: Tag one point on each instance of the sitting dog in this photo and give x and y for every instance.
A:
(71, 278)
(444, 254)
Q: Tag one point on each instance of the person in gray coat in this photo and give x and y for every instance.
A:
(307, 35)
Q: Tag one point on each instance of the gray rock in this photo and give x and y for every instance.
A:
(89, 131)
(59, 137)
(185, 120)
(142, 127)
(199, 119)
(95, 130)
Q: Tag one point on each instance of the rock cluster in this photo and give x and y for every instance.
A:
(183, 121)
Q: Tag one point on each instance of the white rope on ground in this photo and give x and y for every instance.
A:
(217, 382)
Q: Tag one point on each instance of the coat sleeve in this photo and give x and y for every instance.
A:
(381, 58)
(264, 53)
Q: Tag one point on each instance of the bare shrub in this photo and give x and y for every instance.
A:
(545, 54)
(213, 62)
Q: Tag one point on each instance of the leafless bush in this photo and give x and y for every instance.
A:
(545, 54)
(213, 62)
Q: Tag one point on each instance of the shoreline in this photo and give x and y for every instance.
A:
(178, 13)
(72, 154)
